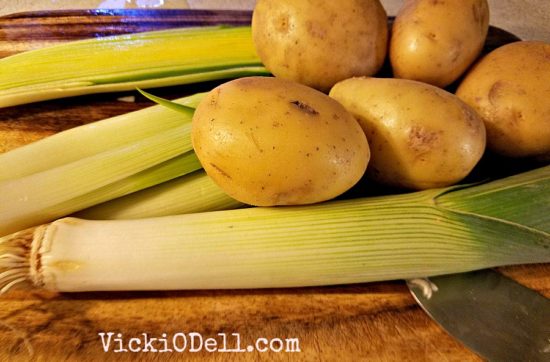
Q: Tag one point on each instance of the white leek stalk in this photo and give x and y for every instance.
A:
(406, 236)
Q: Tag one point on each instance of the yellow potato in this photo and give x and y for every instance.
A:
(319, 43)
(420, 136)
(510, 89)
(268, 141)
(435, 41)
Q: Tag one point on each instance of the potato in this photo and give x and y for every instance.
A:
(268, 141)
(420, 136)
(510, 89)
(319, 43)
(435, 41)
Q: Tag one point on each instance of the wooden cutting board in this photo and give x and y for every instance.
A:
(374, 321)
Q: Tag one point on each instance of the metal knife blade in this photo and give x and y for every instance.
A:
(494, 316)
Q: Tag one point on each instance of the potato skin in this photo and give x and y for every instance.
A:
(420, 136)
(268, 141)
(318, 42)
(510, 89)
(435, 41)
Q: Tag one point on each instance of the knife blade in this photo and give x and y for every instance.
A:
(491, 314)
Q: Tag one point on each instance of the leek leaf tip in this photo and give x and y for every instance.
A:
(167, 103)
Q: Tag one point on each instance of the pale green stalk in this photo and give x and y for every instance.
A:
(29, 200)
(522, 200)
(124, 62)
(95, 163)
(183, 195)
(92, 138)
(144, 180)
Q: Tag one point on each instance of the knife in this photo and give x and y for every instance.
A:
(492, 315)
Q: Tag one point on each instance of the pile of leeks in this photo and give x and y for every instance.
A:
(140, 166)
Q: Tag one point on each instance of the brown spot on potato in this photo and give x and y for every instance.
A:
(316, 30)
(495, 91)
(215, 97)
(304, 107)
(455, 50)
(293, 195)
(471, 118)
(431, 36)
(254, 140)
(422, 140)
(282, 23)
(220, 171)
(516, 117)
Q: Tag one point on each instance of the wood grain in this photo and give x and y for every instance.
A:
(375, 321)
(31, 30)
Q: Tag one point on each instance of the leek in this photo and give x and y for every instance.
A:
(187, 194)
(405, 236)
(124, 62)
(92, 138)
(107, 159)
(159, 174)
(32, 199)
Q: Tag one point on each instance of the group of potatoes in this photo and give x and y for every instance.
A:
(283, 141)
